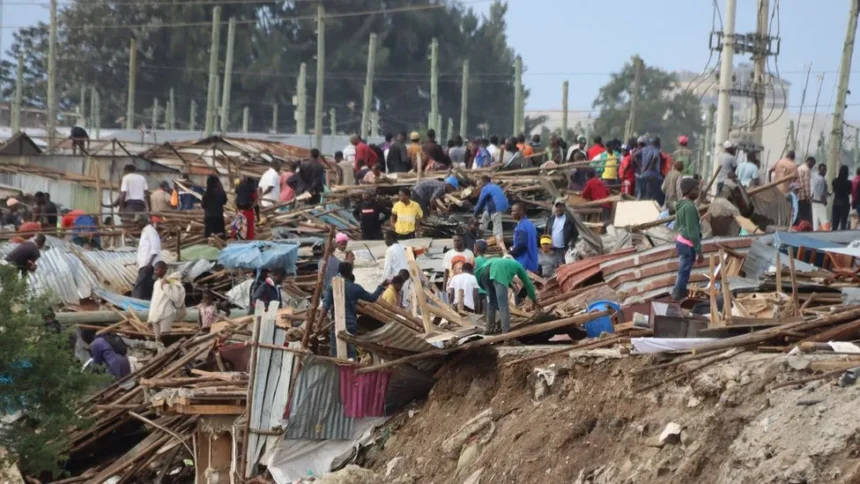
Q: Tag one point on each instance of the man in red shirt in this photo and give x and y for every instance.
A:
(596, 190)
(597, 149)
(363, 153)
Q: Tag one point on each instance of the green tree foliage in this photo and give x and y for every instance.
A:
(40, 377)
(663, 109)
(272, 39)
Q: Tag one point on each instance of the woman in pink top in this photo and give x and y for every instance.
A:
(287, 193)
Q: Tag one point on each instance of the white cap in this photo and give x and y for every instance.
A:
(728, 144)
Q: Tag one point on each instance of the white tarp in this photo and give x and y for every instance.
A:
(659, 345)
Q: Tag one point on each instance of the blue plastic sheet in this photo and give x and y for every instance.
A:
(120, 301)
(260, 255)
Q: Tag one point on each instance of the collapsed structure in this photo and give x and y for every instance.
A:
(265, 392)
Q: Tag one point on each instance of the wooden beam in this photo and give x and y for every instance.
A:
(339, 317)
(418, 291)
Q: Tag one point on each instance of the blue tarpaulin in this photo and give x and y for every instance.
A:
(120, 301)
(260, 255)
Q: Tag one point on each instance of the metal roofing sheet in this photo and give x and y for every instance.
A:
(397, 336)
(316, 410)
(363, 395)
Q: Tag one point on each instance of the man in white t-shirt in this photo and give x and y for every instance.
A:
(133, 191)
(466, 282)
(455, 258)
(270, 185)
(349, 153)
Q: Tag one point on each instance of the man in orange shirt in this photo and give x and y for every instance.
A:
(784, 168)
(524, 148)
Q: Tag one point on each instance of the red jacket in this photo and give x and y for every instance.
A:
(594, 151)
(365, 154)
(596, 190)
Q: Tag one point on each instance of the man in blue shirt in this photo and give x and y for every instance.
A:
(651, 176)
(491, 204)
(525, 249)
(352, 293)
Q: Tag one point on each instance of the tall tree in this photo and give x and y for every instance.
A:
(662, 110)
(272, 40)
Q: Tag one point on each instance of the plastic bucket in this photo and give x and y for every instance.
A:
(603, 324)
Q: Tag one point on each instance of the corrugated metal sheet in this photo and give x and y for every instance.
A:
(397, 336)
(570, 276)
(66, 274)
(316, 411)
(191, 270)
(363, 395)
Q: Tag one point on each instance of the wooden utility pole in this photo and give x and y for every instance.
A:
(368, 88)
(638, 67)
(274, 119)
(800, 112)
(246, 119)
(132, 82)
(228, 76)
(52, 75)
(155, 114)
(564, 88)
(374, 123)
(760, 71)
(216, 109)
(332, 120)
(211, 96)
(836, 134)
(464, 101)
(192, 116)
(171, 120)
(434, 86)
(518, 95)
(724, 106)
(302, 100)
(318, 101)
(19, 95)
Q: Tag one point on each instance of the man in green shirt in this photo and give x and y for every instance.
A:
(495, 277)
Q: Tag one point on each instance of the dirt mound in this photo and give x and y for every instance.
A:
(577, 419)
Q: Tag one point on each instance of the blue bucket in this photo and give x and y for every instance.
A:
(603, 324)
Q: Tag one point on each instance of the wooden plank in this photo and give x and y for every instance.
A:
(418, 291)
(198, 409)
(258, 404)
(712, 293)
(793, 274)
(727, 295)
(337, 285)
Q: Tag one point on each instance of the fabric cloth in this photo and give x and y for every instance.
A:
(149, 246)
(492, 199)
(143, 286)
(453, 261)
(287, 192)
(839, 214)
(820, 218)
(525, 248)
(267, 292)
(270, 180)
(207, 314)
(783, 168)
(687, 222)
(244, 226)
(483, 158)
(347, 173)
(804, 178)
(214, 225)
(686, 258)
(594, 151)
(548, 262)
(728, 163)
(819, 189)
(841, 192)
(746, 173)
(213, 203)
(397, 160)
(390, 296)
(159, 202)
(134, 186)
(426, 191)
(595, 189)
(497, 301)
(494, 152)
(103, 353)
(496, 219)
(468, 283)
(395, 261)
(22, 255)
(503, 270)
(365, 154)
(672, 188)
(168, 302)
(407, 217)
(555, 227)
(371, 216)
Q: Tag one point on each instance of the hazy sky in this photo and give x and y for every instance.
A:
(583, 41)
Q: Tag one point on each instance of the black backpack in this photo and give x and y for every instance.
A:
(116, 343)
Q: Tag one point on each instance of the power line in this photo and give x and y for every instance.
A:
(412, 8)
